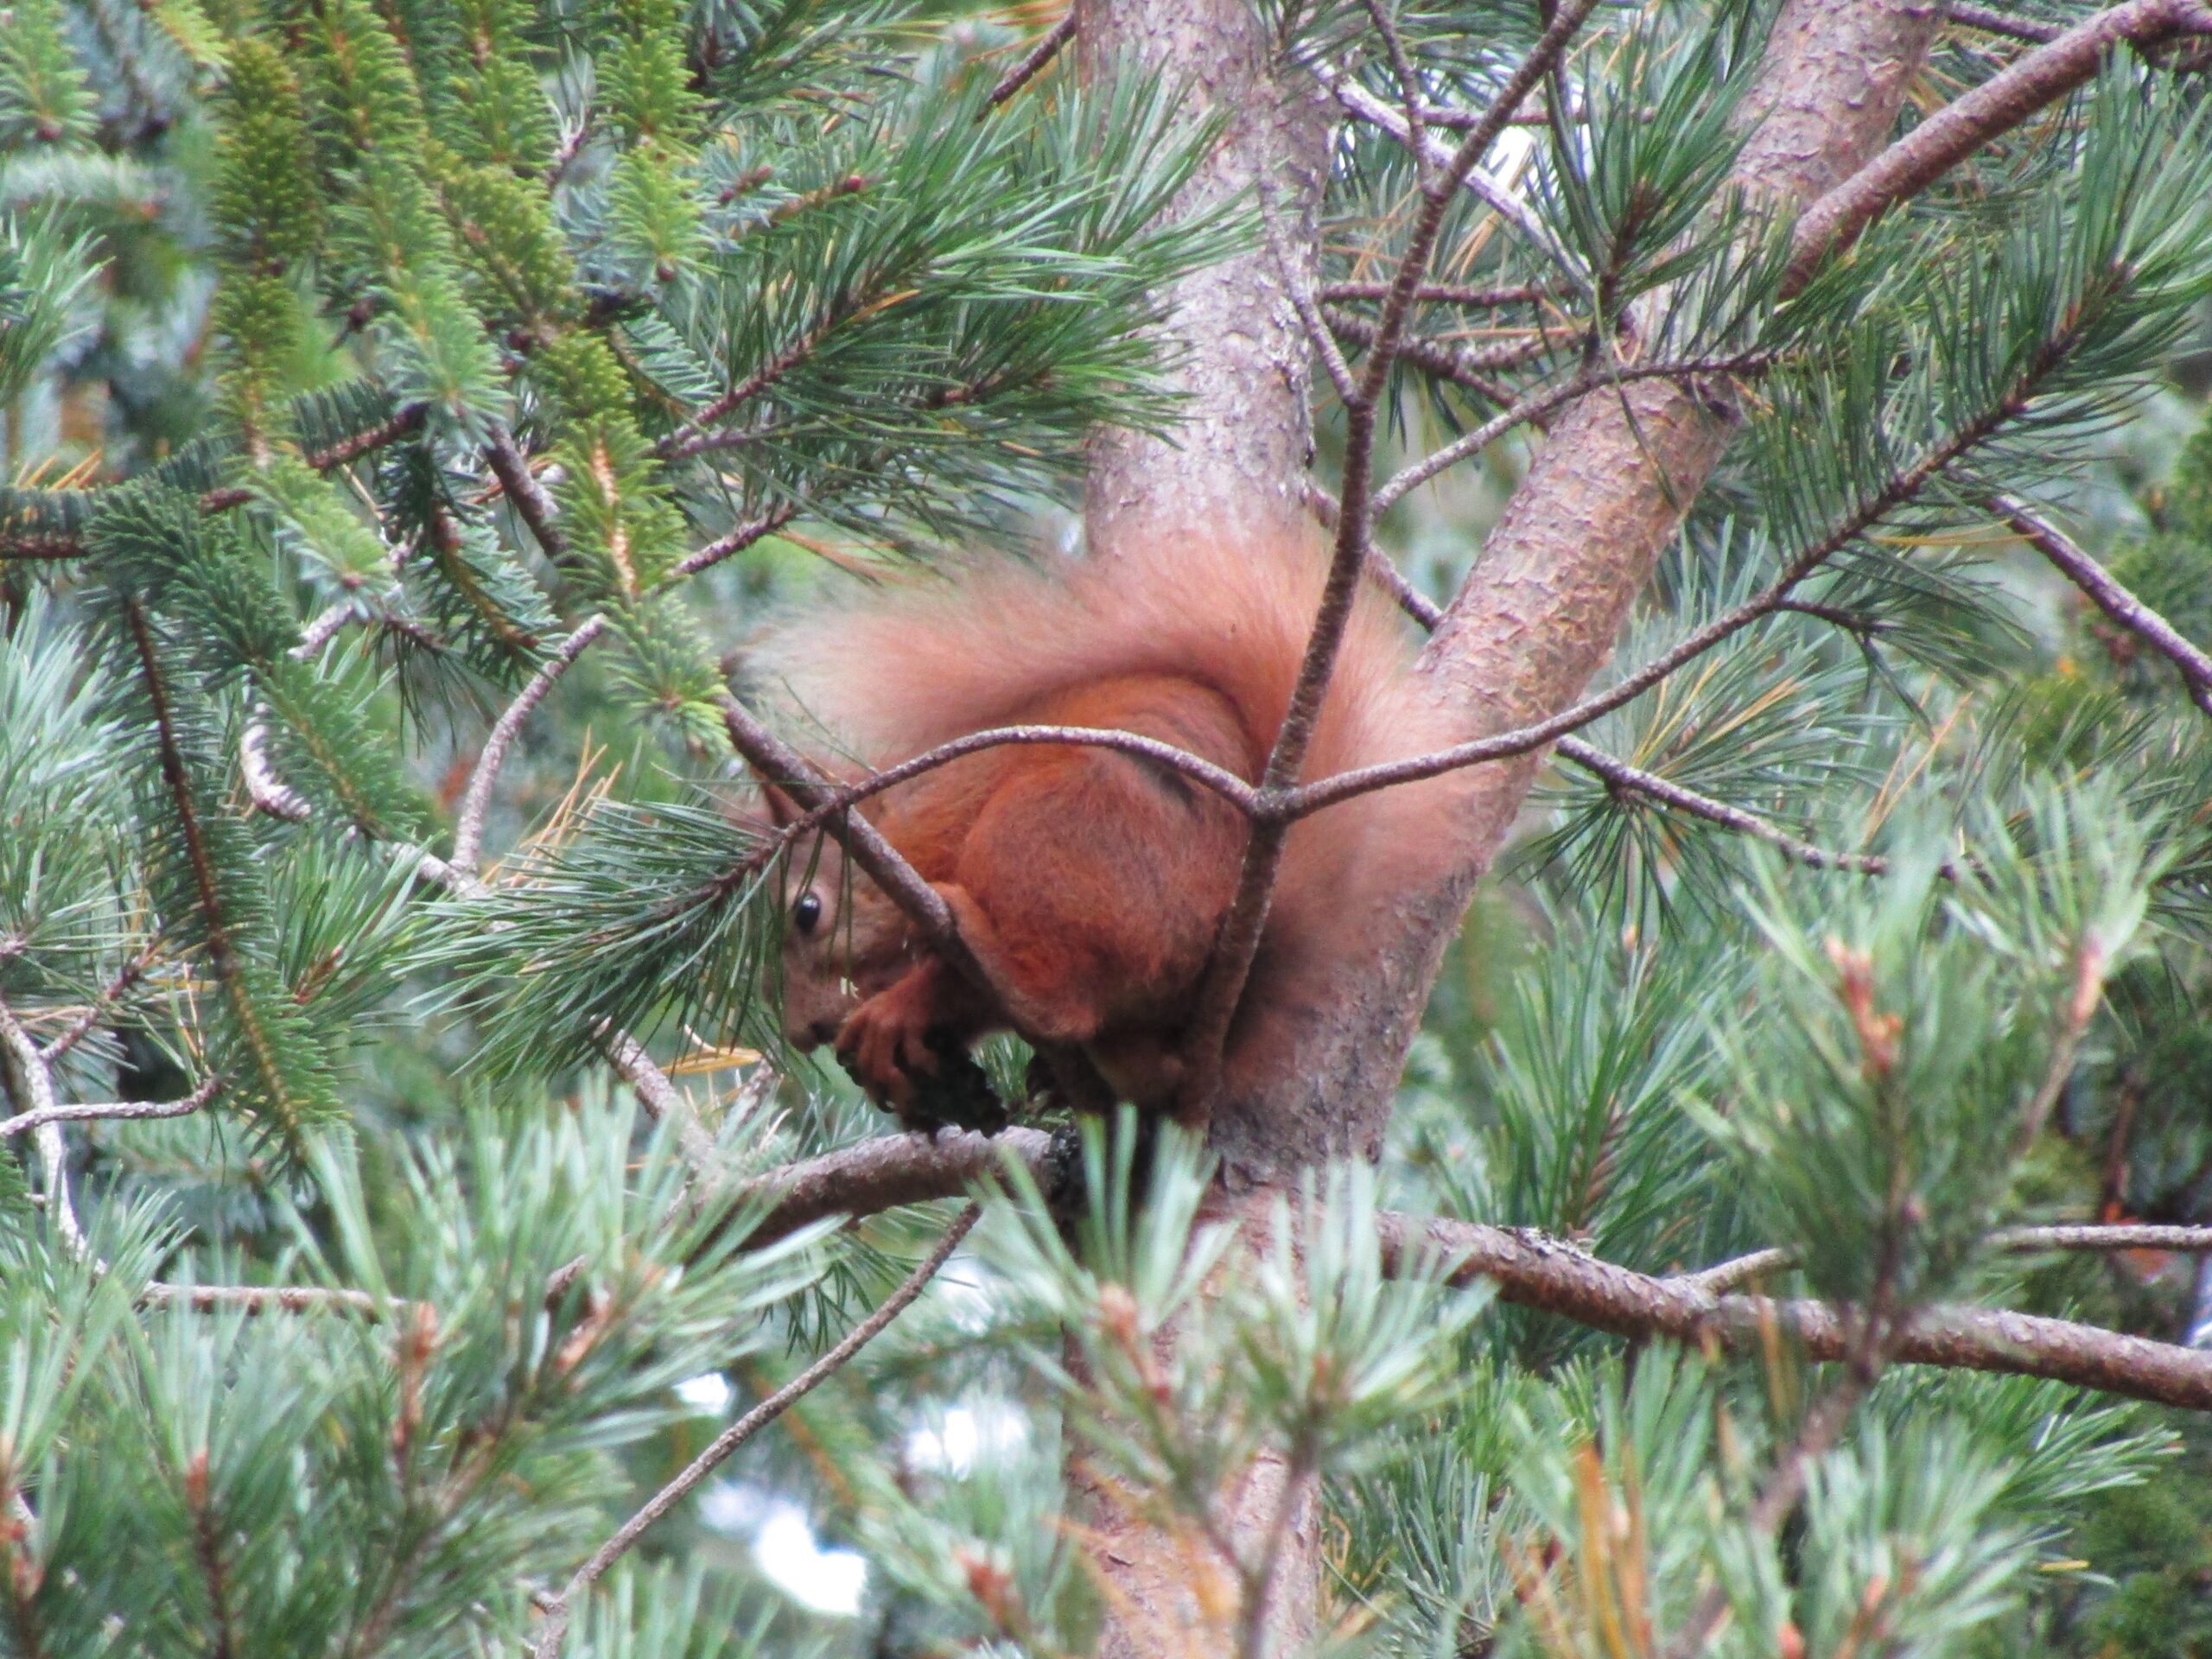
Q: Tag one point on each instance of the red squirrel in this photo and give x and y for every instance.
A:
(1090, 882)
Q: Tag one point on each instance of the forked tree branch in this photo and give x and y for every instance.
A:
(16, 1046)
(1531, 1269)
(110, 1112)
(1358, 101)
(1623, 775)
(1238, 940)
(1896, 490)
(562, 1608)
(1957, 131)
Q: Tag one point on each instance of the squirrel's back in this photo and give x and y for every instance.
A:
(920, 660)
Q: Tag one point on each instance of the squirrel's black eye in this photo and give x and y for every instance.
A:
(807, 913)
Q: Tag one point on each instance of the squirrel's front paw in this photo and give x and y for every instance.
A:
(884, 1043)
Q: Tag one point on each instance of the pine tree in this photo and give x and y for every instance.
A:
(1786, 1232)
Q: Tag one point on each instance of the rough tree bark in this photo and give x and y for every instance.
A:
(1534, 622)
(1238, 455)
(1238, 459)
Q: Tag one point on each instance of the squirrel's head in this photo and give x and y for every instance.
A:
(844, 940)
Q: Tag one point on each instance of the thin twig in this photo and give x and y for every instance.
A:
(1372, 109)
(1033, 60)
(1537, 404)
(326, 627)
(468, 828)
(130, 973)
(113, 1110)
(1401, 67)
(2014, 1241)
(693, 436)
(1992, 22)
(2110, 597)
(264, 1299)
(1301, 298)
(736, 542)
(662, 1099)
(563, 1606)
(1461, 364)
(1622, 775)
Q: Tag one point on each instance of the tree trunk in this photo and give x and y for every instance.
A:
(1534, 622)
(1238, 453)
(1544, 605)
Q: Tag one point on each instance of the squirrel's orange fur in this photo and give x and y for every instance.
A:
(1091, 882)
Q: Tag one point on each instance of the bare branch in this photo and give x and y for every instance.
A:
(737, 541)
(468, 828)
(661, 1098)
(1441, 360)
(1534, 1271)
(1530, 1270)
(114, 1110)
(1392, 581)
(1992, 22)
(1621, 775)
(264, 1299)
(1991, 110)
(1199, 770)
(531, 505)
(1317, 333)
(38, 1084)
(1033, 60)
(562, 1606)
(2110, 597)
(326, 627)
(887, 1172)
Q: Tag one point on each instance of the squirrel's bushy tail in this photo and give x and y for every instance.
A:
(921, 660)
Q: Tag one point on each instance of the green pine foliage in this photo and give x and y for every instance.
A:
(746, 287)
